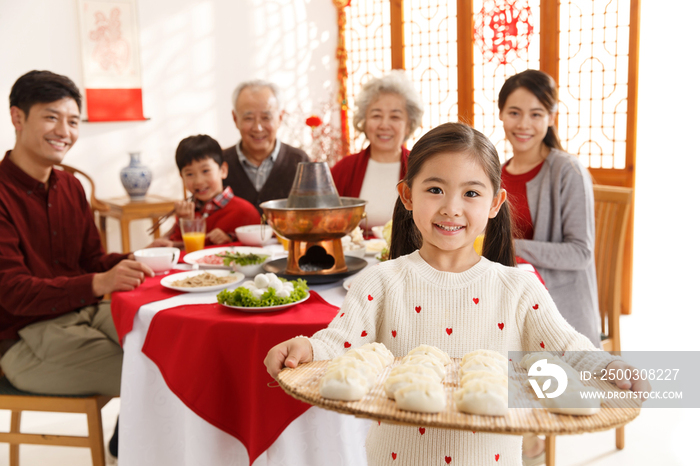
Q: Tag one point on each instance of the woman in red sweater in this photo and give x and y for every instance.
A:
(388, 111)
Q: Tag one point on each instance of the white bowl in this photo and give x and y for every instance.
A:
(378, 231)
(359, 252)
(254, 235)
(158, 259)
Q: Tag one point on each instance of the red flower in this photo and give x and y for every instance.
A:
(313, 121)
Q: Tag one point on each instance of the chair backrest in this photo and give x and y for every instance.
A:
(612, 212)
(95, 203)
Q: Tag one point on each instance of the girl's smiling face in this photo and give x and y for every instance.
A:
(451, 199)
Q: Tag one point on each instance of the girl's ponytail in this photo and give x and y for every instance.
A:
(405, 237)
(498, 238)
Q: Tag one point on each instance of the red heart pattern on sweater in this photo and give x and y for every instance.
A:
(449, 331)
(542, 344)
(476, 300)
(421, 430)
(364, 333)
(497, 456)
(341, 315)
(393, 333)
(448, 459)
(369, 297)
(536, 306)
(501, 325)
(418, 309)
(347, 344)
(393, 455)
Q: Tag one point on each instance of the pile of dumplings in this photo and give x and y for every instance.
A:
(349, 377)
(263, 281)
(416, 383)
(571, 401)
(484, 384)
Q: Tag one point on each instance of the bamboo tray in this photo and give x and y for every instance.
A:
(528, 416)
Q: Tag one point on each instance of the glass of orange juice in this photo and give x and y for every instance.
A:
(193, 233)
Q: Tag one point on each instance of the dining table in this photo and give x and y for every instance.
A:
(195, 391)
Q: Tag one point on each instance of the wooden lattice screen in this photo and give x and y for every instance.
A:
(459, 53)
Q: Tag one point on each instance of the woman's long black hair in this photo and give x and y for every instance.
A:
(455, 138)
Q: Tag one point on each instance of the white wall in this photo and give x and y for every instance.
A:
(193, 53)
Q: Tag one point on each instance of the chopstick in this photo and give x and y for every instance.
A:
(163, 218)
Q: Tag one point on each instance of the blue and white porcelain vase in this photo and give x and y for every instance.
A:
(136, 178)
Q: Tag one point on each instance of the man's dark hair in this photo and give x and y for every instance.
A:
(198, 147)
(40, 87)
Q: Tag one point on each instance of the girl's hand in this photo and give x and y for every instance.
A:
(290, 354)
(639, 385)
(184, 209)
(217, 236)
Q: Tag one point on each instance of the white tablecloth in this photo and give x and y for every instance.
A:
(157, 429)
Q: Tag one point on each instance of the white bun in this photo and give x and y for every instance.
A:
(423, 397)
(443, 357)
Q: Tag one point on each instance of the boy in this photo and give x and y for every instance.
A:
(56, 335)
(199, 159)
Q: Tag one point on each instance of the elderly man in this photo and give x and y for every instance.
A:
(261, 167)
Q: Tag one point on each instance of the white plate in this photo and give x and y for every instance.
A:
(167, 281)
(268, 308)
(347, 282)
(373, 246)
(192, 257)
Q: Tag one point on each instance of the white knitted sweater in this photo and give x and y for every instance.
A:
(405, 302)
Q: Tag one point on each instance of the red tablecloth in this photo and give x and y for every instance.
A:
(211, 357)
(125, 304)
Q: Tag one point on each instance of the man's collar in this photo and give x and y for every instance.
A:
(273, 155)
(22, 177)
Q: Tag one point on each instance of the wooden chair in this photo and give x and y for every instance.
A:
(612, 212)
(17, 401)
(95, 204)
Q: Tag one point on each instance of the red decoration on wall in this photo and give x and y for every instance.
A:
(503, 28)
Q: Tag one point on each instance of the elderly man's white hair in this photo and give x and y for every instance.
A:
(257, 83)
(394, 82)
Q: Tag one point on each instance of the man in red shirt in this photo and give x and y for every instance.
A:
(56, 336)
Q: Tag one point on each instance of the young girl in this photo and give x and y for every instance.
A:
(552, 198)
(438, 291)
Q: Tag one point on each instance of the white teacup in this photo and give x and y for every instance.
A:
(160, 260)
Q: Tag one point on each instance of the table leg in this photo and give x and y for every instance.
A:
(156, 231)
(126, 248)
(549, 448)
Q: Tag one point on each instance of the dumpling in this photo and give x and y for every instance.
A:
(369, 356)
(344, 383)
(414, 369)
(483, 397)
(380, 350)
(493, 377)
(531, 358)
(423, 397)
(484, 363)
(572, 402)
(486, 353)
(443, 357)
(397, 382)
(363, 367)
(427, 360)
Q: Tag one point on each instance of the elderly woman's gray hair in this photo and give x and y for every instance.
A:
(257, 83)
(394, 82)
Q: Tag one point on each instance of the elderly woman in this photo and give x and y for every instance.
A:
(388, 111)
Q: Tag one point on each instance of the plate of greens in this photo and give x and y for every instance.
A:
(267, 293)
